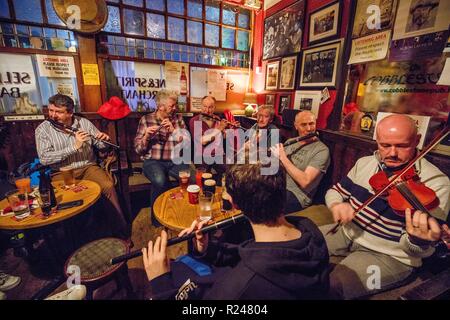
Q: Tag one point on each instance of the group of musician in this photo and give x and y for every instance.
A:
(288, 256)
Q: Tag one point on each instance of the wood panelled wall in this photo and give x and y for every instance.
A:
(345, 149)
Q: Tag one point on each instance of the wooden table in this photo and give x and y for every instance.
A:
(36, 220)
(178, 214)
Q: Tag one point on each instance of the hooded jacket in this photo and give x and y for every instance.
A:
(296, 269)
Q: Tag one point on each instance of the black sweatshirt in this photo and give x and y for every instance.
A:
(296, 269)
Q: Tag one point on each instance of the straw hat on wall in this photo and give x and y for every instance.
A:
(93, 13)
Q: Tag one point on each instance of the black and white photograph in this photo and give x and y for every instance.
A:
(319, 66)
(272, 75)
(283, 31)
(418, 17)
(270, 99)
(308, 100)
(324, 23)
(284, 103)
(365, 22)
(287, 76)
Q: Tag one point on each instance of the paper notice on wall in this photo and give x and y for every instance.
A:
(217, 84)
(55, 66)
(198, 83)
(370, 48)
(196, 104)
(422, 123)
(444, 80)
(66, 89)
(90, 74)
(177, 77)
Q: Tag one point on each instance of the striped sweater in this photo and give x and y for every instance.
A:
(378, 227)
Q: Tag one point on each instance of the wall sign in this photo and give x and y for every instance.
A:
(55, 66)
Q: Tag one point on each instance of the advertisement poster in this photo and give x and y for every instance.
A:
(370, 48)
(18, 87)
(217, 84)
(420, 47)
(138, 83)
(177, 78)
(66, 89)
(55, 66)
(90, 74)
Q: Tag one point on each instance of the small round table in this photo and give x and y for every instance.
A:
(89, 196)
(178, 214)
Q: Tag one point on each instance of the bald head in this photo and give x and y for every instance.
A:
(305, 123)
(208, 104)
(397, 139)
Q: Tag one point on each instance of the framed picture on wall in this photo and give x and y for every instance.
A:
(308, 100)
(325, 23)
(283, 31)
(284, 103)
(270, 99)
(365, 22)
(319, 66)
(272, 75)
(287, 76)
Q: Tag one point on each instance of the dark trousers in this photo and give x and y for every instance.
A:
(292, 204)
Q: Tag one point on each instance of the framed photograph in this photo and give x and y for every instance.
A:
(418, 17)
(270, 99)
(308, 100)
(283, 31)
(287, 77)
(272, 75)
(325, 23)
(284, 103)
(319, 66)
(365, 22)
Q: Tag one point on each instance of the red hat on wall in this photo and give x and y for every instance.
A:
(114, 109)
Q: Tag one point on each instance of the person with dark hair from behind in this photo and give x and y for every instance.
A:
(287, 259)
(58, 148)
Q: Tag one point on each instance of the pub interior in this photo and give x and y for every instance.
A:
(307, 139)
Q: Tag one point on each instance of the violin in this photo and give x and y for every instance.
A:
(399, 179)
(406, 192)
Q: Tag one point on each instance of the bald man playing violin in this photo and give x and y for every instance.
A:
(382, 248)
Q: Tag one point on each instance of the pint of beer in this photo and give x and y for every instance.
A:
(68, 175)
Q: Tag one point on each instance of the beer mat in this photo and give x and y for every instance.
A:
(176, 195)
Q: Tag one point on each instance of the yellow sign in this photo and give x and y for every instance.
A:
(90, 74)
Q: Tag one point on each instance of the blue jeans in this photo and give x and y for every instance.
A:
(158, 172)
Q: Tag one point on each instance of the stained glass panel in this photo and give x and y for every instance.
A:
(212, 10)
(133, 22)
(159, 5)
(156, 26)
(4, 9)
(227, 38)
(195, 8)
(51, 15)
(136, 3)
(113, 23)
(194, 32)
(28, 10)
(175, 6)
(244, 19)
(211, 35)
(228, 16)
(242, 40)
(175, 29)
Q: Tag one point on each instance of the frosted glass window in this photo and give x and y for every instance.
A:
(175, 6)
(113, 23)
(175, 29)
(227, 38)
(4, 9)
(133, 22)
(242, 40)
(194, 32)
(212, 10)
(228, 16)
(156, 26)
(51, 14)
(159, 5)
(211, 35)
(244, 19)
(136, 3)
(195, 8)
(28, 10)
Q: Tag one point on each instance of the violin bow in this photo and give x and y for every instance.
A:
(396, 177)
